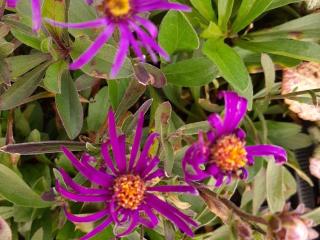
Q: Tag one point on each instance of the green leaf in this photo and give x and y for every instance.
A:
(249, 11)
(314, 215)
(269, 72)
(22, 88)
(307, 51)
(259, 190)
(52, 79)
(55, 10)
(117, 89)
(17, 191)
(97, 112)
(191, 72)
(224, 12)
(275, 186)
(229, 63)
(69, 106)
(36, 148)
(177, 34)
(193, 128)
(22, 64)
(204, 7)
(281, 3)
(100, 66)
(301, 28)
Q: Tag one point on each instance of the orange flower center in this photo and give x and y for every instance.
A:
(129, 191)
(229, 153)
(115, 8)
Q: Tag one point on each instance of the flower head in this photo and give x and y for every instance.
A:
(127, 188)
(222, 151)
(36, 12)
(291, 225)
(135, 31)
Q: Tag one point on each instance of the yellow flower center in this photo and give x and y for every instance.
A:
(116, 8)
(129, 191)
(229, 153)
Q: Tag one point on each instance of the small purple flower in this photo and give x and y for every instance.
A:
(222, 151)
(127, 188)
(135, 31)
(36, 12)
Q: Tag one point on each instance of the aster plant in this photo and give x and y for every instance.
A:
(135, 31)
(222, 151)
(127, 186)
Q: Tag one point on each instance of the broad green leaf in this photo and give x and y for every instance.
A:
(308, 51)
(275, 186)
(100, 66)
(248, 12)
(52, 79)
(17, 191)
(314, 215)
(290, 185)
(55, 10)
(22, 88)
(301, 28)
(69, 106)
(229, 63)
(177, 34)
(97, 112)
(21, 64)
(204, 7)
(281, 3)
(259, 190)
(269, 72)
(191, 72)
(117, 89)
(224, 13)
(193, 128)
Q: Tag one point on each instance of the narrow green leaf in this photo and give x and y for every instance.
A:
(52, 79)
(204, 7)
(308, 51)
(229, 63)
(69, 106)
(275, 186)
(55, 10)
(97, 112)
(190, 72)
(177, 34)
(249, 11)
(17, 191)
(259, 190)
(22, 88)
(281, 3)
(36, 148)
(314, 215)
(224, 13)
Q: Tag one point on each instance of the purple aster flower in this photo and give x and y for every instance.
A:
(135, 31)
(222, 151)
(127, 188)
(36, 12)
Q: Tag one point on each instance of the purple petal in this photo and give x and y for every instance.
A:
(279, 153)
(123, 49)
(88, 218)
(89, 172)
(107, 159)
(136, 141)
(152, 29)
(97, 23)
(98, 229)
(12, 3)
(177, 189)
(216, 123)
(79, 197)
(77, 187)
(159, 173)
(94, 48)
(133, 224)
(150, 5)
(152, 164)
(36, 14)
(152, 220)
(145, 152)
(172, 214)
(244, 174)
(120, 157)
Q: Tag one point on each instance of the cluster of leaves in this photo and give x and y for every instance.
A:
(221, 44)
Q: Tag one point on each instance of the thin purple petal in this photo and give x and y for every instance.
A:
(98, 229)
(177, 189)
(88, 218)
(277, 152)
